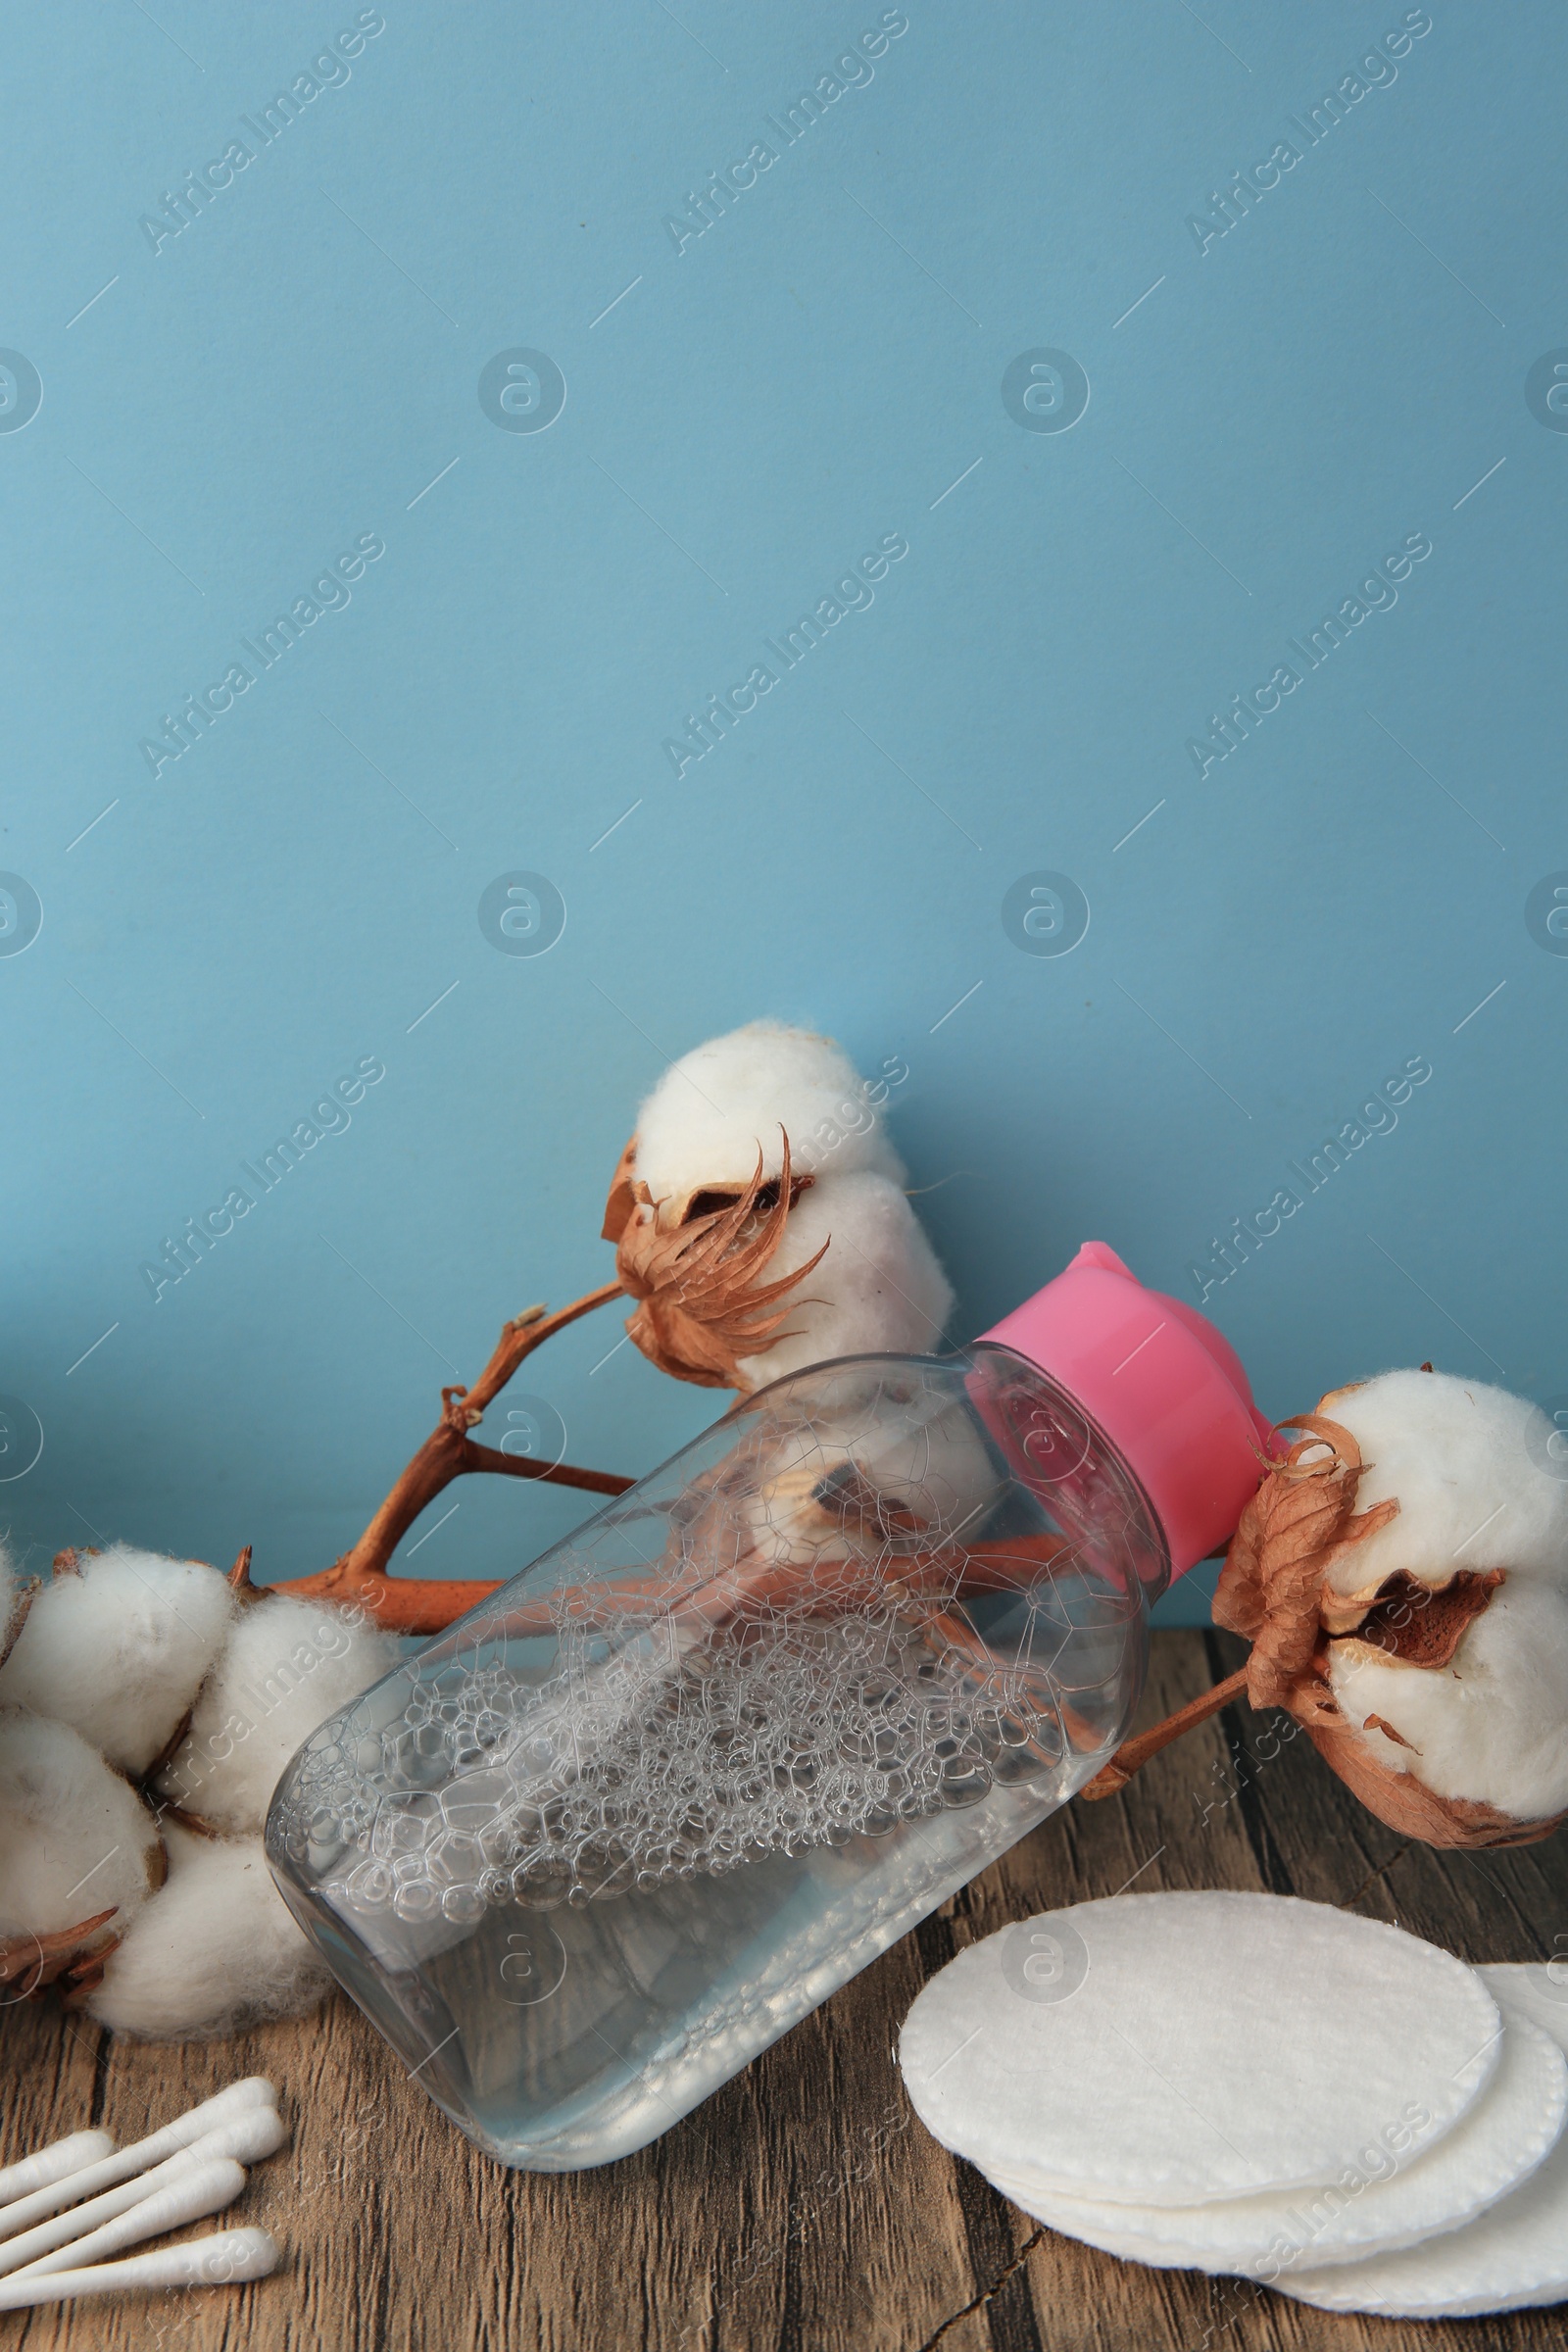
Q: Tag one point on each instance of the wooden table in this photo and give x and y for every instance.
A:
(802, 2209)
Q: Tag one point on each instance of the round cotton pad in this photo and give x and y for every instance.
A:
(1166, 2049)
(1514, 2255)
(1399, 2191)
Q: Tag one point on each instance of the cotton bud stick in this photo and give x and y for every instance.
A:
(254, 2091)
(250, 2135)
(54, 2163)
(202, 2189)
(228, 2258)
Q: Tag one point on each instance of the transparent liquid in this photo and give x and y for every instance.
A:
(615, 1833)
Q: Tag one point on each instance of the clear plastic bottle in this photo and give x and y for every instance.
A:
(615, 1831)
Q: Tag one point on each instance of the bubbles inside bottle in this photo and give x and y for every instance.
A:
(818, 1655)
(735, 1735)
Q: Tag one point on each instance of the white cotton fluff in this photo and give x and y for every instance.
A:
(879, 1289)
(74, 1838)
(1469, 1466)
(118, 1648)
(706, 1117)
(1493, 1725)
(214, 1950)
(288, 1665)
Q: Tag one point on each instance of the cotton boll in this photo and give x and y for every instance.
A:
(1493, 1727)
(118, 1648)
(711, 1112)
(878, 1290)
(1442, 1698)
(708, 1238)
(74, 1838)
(1468, 1466)
(215, 1950)
(288, 1665)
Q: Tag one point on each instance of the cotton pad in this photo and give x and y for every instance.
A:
(1401, 2190)
(1516, 2254)
(1168, 2049)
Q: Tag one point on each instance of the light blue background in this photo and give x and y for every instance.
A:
(813, 372)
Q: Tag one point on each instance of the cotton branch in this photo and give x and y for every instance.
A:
(1112, 1778)
(427, 1605)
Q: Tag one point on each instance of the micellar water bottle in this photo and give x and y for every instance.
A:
(617, 1829)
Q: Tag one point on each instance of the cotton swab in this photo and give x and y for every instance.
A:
(53, 2163)
(254, 2091)
(205, 2188)
(226, 2259)
(256, 2133)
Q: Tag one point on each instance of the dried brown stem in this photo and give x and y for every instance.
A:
(11, 1631)
(239, 1581)
(560, 1473)
(33, 1961)
(1112, 1778)
(197, 1824)
(757, 1588)
(420, 1605)
(83, 1977)
(147, 1782)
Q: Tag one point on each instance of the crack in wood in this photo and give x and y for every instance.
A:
(100, 2076)
(987, 2293)
(1372, 1877)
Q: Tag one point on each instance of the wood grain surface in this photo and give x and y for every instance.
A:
(804, 2208)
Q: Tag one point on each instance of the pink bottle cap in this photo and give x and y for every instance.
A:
(1168, 1390)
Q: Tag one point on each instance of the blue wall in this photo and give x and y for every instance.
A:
(1277, 401)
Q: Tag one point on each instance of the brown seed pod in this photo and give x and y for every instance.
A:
(692, 1261)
